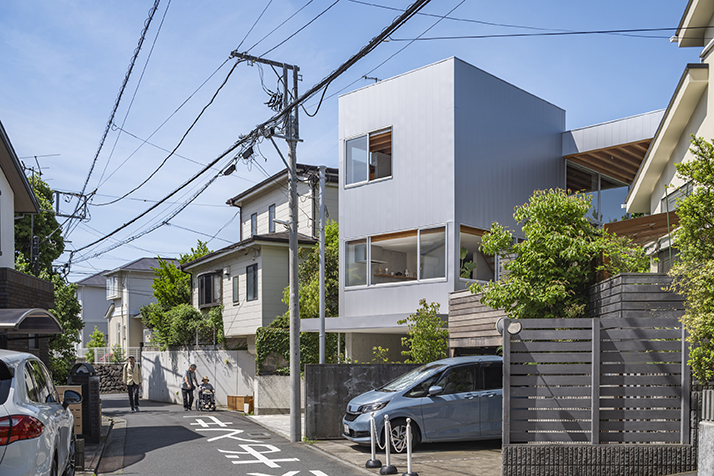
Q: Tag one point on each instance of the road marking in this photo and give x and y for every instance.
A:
(232, 435)
(258, 455)
(216, 421)
(289, 473)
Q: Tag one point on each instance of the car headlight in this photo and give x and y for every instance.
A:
(372, 407)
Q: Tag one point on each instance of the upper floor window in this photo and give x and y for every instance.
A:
(236, 293)
(369, 157)
(113, 288)
(209, 290)
(473, 263)
(251, 282)
(271, 218)
(254, 224)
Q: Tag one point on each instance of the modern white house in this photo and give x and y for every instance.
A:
(92, 297)
(428, 161)
(128, 288)
(657, 187)
(248, 277)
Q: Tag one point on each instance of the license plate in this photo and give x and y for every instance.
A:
(346, 428)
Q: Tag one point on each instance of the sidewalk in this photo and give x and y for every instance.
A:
(472, 458)
(93, 452)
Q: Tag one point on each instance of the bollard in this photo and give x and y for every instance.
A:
(409, 450)
(374, 462)
(387, 468)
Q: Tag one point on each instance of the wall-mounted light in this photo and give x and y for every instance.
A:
(227, 271)
(514, 327)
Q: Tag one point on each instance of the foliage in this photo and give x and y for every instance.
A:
(694, 272)
(548, 274)
(426, 339)
(274, 340)
(118, 355)
(467, 267)
(96, 339)
(43, 225)
(380, 355)
(172, 319)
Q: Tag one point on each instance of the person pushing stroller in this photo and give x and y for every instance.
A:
(206, 395)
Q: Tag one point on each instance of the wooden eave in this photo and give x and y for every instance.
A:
(620, 162)
(645, 229)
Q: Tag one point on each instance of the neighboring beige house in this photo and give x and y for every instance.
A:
(656, 186)
(128, 289)
(248, 277)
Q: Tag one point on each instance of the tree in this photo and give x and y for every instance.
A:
(426, 339)
(694, 272)
(548, 274)
(172, 319)
(96, 339)
(43, 224)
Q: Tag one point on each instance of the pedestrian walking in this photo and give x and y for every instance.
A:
(187, 387)
(132, 382)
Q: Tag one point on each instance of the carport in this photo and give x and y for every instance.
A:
(26, 325)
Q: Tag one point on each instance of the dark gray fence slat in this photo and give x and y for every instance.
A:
(561, 346)
(554, 334)
(627, 414)
(643, 357)
(556, 323)
(620, 368)
(626, 345)
(643, 380)
(554, 357)
(550, 403)
(518, 380)
(595, 384)
(641, 391)
(639, 402)
(646, 425)
(546, 369)
(555, 414)
(640, 322)
(641, 334)
(564, 426)
(644, 437)
(551, 391)
(551, 437)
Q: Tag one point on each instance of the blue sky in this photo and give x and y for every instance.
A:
(64, 62)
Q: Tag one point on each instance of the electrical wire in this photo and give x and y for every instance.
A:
(177, 145)
(277, 27)
(255, 23)
(553, 33)
(136, 89)
(300, 29)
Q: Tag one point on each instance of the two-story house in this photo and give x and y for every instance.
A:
(657, 187)
(248, 277)
(128, 289)
(428, 161)
(92, 296)
(25, 323)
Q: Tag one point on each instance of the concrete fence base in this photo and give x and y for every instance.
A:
(598, 460)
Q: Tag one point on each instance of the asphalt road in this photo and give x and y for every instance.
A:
(164, 440)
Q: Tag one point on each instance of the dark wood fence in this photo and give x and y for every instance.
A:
(472, 324)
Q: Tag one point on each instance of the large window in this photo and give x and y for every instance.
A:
(113, 288)
(396, 257)
(254, 224)
(209, 290)
(473, 264)
(251, 282)
(369, 157)
(271, 218)
(607, 194)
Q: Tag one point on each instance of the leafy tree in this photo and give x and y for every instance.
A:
(43, 224)
(96, 339)
(172, 319)
(694, 272)
(274, 340)
(548, 274)
(426, 339)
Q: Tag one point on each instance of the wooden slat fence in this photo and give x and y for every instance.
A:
(597, 381)
(471, 324)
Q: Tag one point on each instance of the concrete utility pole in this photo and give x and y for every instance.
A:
(292, 136)
(322, 264)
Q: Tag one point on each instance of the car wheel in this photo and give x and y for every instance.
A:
(399, 435)
(71, 458)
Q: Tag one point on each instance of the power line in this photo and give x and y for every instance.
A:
(277, 27)
(300, 29)
(553, 33)
(255, 23)
(177, 145)
(262, 129)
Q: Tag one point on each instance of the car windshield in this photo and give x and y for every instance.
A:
(410, 378)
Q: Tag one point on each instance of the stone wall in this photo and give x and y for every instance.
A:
(271, 394)
(110, 378)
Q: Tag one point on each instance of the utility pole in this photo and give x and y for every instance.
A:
(292, 136)
(322, 264)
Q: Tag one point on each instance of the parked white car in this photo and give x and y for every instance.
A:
(36, 430)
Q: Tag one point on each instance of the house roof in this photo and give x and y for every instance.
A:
(141, 264)
(694, 22)
(25, 200)
(686, 96)
(279, 237)
(615, 148)
(331, 176)
(98, 280)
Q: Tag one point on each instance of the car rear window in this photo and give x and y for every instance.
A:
(6, 375)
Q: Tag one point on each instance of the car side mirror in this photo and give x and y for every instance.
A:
(70, 397)
(435, 390)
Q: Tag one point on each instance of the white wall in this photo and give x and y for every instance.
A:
(278, 195)
(94, 306)
(231, 372)
(7, 224)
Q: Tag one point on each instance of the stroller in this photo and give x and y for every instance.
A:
(206, 400)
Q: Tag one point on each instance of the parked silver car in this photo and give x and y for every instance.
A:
(36, 430)
(447, 400)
